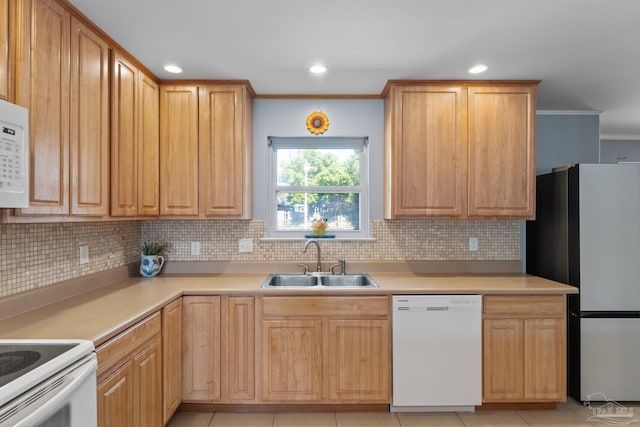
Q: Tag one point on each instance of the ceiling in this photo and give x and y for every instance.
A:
(586, 52)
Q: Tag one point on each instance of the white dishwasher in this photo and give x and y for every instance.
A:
(437, 352)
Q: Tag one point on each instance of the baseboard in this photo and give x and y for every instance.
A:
(280, 407)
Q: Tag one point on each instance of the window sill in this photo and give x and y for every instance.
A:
(301, 239)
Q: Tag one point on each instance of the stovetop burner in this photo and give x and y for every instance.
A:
(16, 359)
(13, 361)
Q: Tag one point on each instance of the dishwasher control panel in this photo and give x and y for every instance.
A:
(435, 302)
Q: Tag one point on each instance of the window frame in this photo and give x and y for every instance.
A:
(362, 189)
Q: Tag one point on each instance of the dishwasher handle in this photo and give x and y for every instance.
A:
(423, 308)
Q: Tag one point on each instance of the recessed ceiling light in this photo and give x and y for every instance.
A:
(173, 69)
(480, 68)
(318, 69)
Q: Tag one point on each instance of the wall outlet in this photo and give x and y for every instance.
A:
(245, 245)
(195, 248)
(84, 254)
(473, 244)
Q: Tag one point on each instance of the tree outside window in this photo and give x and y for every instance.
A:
(314, 180)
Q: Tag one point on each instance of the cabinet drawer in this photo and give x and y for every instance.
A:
(116, 350)
(326, 306)
(530, 305)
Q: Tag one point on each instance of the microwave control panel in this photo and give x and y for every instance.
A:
(14, 166)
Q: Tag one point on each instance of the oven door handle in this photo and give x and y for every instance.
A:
(55, 397)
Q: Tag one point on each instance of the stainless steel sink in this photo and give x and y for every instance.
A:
(319, 281)
(290, 280)
(348, 280)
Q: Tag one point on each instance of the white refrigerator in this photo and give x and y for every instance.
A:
(587, 234)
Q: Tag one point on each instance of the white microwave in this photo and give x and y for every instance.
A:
(14, 156)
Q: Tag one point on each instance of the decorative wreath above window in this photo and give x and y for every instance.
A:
(317, 122)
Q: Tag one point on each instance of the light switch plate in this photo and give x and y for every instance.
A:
(84, 254)
(473, 244)
(195, 248)
(245, 245)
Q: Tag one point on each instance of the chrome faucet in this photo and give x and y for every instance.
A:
(342, 264)
(318, 262)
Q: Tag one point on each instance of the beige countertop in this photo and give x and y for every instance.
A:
(102, 313)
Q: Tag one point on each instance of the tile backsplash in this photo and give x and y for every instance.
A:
(35, 255)
(391, 241)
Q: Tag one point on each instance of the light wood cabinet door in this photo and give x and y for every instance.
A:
(503, 376)
(147, 372)
(225, 151)
(524, 348)
(545, 367)
(325, 350)
(62, 67)
(4, 49)
(116, 407)
(135, 141)
(89, 124)
(42, 86)
(172, 357)
(124, 152)
(130, 376)
(359, 354)
(501, 151)
(132, 395)
(425, 150)
(291, 364)
(240, 348)
(201, 348)
(459, 150)
(148, 146)
(178, 150)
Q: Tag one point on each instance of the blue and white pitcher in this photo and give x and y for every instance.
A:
(150, 265)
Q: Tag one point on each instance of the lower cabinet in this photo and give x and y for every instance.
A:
(130, 377)
(201, 349)
(115, 398)
(524, 349)
(218, 362)
(308, 349)
(171, 358)
(238, 356)
(325, 349)
(359, 360)
(291, 360)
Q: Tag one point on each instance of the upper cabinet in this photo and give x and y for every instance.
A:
(205, 150)
(502, 151)
(459, 150)
(42, 86)
(5, 29)
(225, 151)
(135, 141)
(179, 150)
(89, 122)
(148, 146)
(425, 151)
(98, 146)
(62, 78)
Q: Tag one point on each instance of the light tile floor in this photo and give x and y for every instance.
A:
(569, 414)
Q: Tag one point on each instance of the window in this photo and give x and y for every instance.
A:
(325, 177)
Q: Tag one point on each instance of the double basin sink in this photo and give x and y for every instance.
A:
(319, 281)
